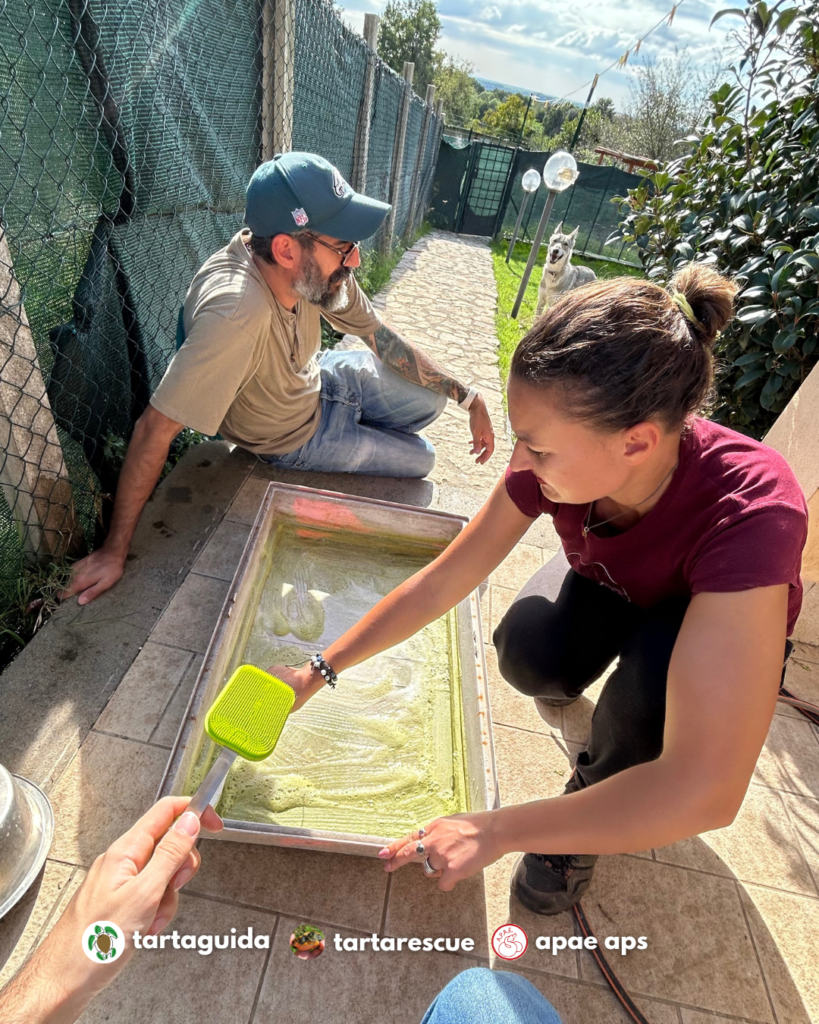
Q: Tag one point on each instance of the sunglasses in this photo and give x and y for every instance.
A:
(345, 254)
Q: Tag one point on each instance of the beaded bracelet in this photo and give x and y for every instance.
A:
(318, 662)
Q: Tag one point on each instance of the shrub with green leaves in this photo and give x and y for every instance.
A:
(746, 198)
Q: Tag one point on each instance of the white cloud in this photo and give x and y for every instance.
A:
(555, 47)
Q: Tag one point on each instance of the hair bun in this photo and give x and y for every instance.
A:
(710, 295)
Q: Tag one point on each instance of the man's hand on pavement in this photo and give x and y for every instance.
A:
(483, 436)
(93, 575)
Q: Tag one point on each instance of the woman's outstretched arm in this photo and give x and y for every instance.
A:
(430, 593)
(723, 682)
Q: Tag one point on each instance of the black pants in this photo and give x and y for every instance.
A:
(559, 636)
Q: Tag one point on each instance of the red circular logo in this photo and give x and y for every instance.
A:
(510, 942)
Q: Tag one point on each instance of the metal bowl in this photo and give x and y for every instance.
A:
(26, 831)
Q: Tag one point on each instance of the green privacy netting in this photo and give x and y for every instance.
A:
(477, 190)
(587, 205)
(128, 132)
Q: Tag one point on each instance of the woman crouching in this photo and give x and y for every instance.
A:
(681, 548)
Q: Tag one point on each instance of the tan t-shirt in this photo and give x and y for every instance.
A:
(249, 368)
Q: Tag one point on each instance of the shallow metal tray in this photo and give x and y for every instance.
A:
(323, 511)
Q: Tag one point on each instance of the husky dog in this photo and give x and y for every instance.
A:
(559, 275)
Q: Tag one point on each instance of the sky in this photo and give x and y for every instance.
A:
(554, 46)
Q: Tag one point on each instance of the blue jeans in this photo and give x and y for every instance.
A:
(481, 996)
(370, 418)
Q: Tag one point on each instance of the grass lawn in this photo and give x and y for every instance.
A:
(507, 277)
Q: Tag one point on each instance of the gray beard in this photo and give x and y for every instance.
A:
(320, 291)
(338, 300)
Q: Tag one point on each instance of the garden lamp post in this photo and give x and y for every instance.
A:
(530, 184)
(559, 174)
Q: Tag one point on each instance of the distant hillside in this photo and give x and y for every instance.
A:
(488, 83)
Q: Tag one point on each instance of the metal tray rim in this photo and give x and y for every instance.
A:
(273, 834)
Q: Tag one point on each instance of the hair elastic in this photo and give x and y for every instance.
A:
(685, 307)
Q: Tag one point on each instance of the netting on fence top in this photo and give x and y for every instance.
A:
(325, 119)
(128, 132)
(387, 95)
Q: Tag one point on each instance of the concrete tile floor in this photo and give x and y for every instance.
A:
(732, 917)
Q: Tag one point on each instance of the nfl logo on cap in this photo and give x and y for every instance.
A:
(300, 217)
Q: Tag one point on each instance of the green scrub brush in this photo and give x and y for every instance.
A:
(247, 719)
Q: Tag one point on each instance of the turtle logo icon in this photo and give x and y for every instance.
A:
(102, 941)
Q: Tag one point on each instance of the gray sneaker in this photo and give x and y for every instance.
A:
(551, 883)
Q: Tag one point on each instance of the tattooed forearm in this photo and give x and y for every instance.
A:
(408, 360)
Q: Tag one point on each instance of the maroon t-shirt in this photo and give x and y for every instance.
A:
(732, 518)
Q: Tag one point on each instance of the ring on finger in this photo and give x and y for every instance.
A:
(420, 848)
(429, 870)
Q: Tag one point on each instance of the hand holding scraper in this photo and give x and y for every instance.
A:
(246, 719)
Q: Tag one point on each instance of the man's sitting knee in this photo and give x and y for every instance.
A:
(425, 463)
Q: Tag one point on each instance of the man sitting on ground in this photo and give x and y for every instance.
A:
(249, 364)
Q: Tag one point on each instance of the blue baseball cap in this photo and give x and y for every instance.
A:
(303, 190)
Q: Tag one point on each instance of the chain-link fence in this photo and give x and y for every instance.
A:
(128, 132)
(477, 190)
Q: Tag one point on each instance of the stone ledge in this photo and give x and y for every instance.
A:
(58, 686)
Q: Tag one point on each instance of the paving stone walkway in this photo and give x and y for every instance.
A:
(732, 918)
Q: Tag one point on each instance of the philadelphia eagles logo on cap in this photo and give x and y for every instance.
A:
(340, 186)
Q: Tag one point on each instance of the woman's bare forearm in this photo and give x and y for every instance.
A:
(650, 805)
(430, 593)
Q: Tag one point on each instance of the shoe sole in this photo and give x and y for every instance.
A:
(557, 702)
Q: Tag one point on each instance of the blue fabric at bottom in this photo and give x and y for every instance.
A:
(370, 418)
(481, 996)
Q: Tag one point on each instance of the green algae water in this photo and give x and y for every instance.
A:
(382, 753)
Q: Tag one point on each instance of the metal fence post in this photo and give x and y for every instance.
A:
(533, 252)
(362, 132)
(419, 163)
(440, 116)
(398, 154)
(33, 475)
(278, 50)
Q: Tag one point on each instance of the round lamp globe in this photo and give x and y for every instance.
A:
(531, 180)
(560, 171)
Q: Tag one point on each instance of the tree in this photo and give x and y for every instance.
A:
(409, 31)
(507, 119)
(667, 99)
(553, 115)
(606, 107)
(746, 198)
(489, 99)
(591, 134)
(458, 90)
